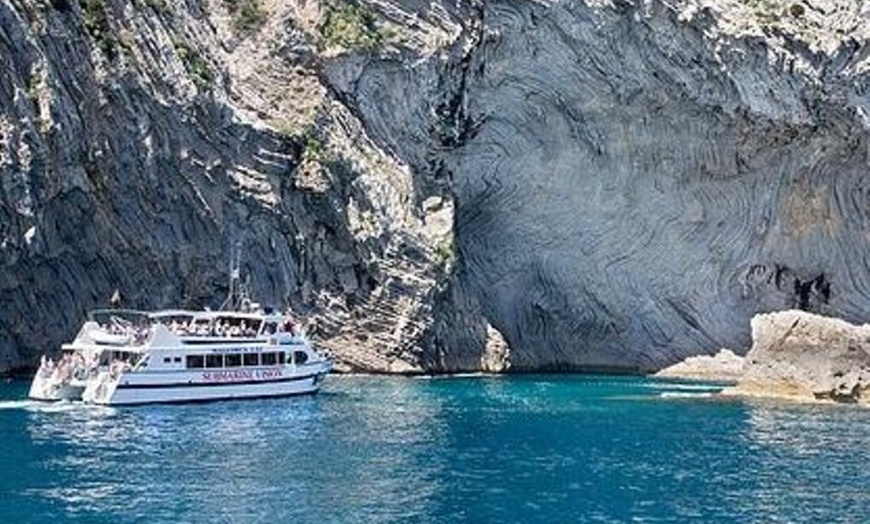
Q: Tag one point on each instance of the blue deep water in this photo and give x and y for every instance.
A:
(521, 449)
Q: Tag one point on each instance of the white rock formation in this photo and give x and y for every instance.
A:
(806, 357)
(724, 366)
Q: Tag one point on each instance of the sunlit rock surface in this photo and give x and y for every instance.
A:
(806, 357)
(724, 366)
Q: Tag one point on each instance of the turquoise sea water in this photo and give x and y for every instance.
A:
(520, 449)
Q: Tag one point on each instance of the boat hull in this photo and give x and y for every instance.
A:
(142, 388)
(49, 389)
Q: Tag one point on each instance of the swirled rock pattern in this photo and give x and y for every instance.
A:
(439, 186)
(636, 184)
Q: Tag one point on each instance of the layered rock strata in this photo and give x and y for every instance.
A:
(438, 186)
(141, 142)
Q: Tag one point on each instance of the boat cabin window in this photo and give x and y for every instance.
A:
(202, 326)
(178, 324)
(251, 359)
(232, 360)
(270, 328)
(236, 327)
(107, 357)
(214, 361)
(253, 328)
(282, 357)
(167, 360)
(195, 361)
(269, 359)
(300, 357)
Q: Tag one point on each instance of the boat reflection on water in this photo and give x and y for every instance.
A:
(107, 459)
(279, 460)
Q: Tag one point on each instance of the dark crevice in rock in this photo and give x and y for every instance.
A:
(812, 294)
(454, 126)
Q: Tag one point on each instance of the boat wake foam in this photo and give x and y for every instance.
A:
(685, 387)
(685, 394)
(18, 404)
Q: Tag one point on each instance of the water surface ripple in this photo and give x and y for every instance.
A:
(479, 449)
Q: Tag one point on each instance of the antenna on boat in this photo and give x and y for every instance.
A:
(237, 292)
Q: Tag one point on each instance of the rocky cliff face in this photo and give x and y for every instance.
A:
(438, 185)
(142, 141)
(640, 182)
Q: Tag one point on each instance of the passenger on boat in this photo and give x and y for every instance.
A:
(46, 366)
(62, 371)
(140, 334)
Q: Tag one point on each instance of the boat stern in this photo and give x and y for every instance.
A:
(53, 389)
(100, 389)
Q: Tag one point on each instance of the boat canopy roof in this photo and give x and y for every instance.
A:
(124, 315)
(173, 313)
(169, 314)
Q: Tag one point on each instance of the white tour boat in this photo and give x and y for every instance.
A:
(134, 357)
(188, 356)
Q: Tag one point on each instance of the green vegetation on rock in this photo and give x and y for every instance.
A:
(314, 149)
(195, 65)
(348, 25)
(247, 15)
(31, 86)
(445, 254)
(97, 25)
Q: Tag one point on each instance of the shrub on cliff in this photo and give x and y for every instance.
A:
(97, 26)
(247, 15)
(350, 26)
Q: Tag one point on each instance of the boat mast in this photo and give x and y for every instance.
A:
(237, 292)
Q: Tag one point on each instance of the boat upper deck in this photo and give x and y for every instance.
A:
(140, 330)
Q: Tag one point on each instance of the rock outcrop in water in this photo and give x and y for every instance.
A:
(440, 186)
(724, 366)
(807, 357)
